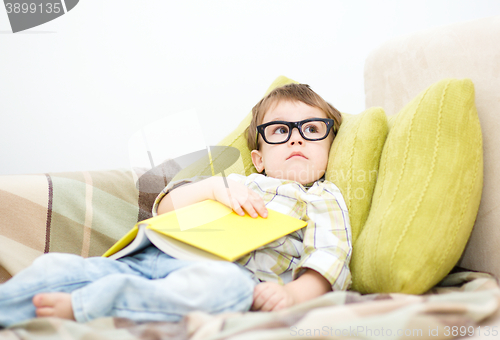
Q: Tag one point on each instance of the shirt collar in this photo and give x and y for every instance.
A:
(308, 185)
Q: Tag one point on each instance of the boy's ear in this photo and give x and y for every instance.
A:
(257, 160)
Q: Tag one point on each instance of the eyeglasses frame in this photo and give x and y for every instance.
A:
(291, 125)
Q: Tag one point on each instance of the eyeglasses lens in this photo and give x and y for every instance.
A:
(276, 133)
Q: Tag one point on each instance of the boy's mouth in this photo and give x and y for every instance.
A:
(297, 154)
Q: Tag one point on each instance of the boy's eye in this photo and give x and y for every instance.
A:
(311, 129)
(280, 129)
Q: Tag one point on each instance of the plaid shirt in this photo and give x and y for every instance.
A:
(324, 245)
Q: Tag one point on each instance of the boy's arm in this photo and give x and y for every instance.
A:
(236, 196)
(309, 285)
(185, 195)
(271, 296)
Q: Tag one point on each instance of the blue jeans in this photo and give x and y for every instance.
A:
(147, 286)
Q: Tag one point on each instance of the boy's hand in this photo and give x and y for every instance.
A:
(238, 197)
(271, 296)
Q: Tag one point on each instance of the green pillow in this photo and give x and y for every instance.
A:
(354, 160)
(427, 194)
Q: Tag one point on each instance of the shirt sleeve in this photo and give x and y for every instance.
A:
(327, 238)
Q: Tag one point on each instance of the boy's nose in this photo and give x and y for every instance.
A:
(296, 137)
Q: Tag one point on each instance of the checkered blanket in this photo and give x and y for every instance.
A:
(454, 308)
(85, 212)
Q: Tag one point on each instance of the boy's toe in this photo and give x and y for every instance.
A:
(37, 300)
(45, 312)
(42, 300)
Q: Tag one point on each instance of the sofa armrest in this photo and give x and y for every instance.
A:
(74, 212)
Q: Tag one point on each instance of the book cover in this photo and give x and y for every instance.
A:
(206, 230)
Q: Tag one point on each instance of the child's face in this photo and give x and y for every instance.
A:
(298, 159)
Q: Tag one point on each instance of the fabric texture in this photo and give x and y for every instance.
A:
(323, 245)
(81, 213)
(427, 194)
(150, 183)
(146, 286)
(462, 304)
(354, 160)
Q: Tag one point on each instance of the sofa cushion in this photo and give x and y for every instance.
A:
(400, 68)
(354, 160)
(427, 193)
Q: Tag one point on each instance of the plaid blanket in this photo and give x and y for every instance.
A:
(457, 307)
(85, 212)
(80, 212)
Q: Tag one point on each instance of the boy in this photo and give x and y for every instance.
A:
(290, 135)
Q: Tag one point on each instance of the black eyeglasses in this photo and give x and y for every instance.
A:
(279, 132)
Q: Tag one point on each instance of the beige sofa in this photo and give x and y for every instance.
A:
(84, 212)
(399, 69)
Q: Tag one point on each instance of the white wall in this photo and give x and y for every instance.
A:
(73, 91)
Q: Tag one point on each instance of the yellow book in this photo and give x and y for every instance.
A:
(205, 230)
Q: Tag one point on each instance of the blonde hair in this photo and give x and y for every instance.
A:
(291, 92)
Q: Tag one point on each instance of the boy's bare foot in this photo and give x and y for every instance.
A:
(54, 304)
